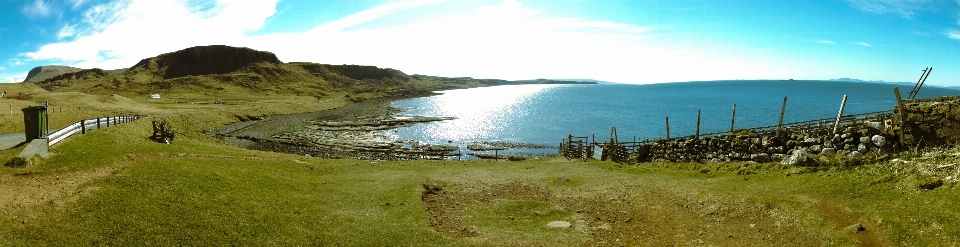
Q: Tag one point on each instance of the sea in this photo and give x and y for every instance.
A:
(547, 114)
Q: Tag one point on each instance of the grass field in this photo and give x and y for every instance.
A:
(116, 187)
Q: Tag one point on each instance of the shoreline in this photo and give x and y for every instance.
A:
(353, 131)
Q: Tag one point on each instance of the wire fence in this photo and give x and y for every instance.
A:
(760, 122)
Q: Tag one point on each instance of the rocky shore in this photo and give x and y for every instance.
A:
(352, 131)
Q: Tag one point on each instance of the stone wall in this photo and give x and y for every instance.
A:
(853, 138)
(931, 122)
(928, 122)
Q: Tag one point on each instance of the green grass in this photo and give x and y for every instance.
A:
(198, 191)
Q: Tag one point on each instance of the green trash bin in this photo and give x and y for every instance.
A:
(35, 122)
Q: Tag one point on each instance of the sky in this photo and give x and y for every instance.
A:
(625, 41)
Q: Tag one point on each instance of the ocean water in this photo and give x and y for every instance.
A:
(546, 114)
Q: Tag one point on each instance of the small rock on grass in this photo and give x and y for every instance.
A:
(558, 224)
(855, 228)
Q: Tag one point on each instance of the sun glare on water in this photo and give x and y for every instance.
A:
(480, 112)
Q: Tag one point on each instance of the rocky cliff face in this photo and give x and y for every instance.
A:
(202, 60)
(42, 73)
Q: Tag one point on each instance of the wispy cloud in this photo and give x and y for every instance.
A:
(905, 8)
(118, 34)
(862, 44)
(373, 14)
(39, 9)
(5, 78)
(953, 34)
(75, 4)
(506, 40)
(828, 42)
(67, 31)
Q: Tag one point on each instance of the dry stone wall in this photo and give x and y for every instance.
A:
(852, 139)
(931, 122)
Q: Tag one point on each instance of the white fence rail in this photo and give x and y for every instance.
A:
(86, 125)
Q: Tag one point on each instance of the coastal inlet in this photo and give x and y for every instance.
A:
(363, 139)
(359, 131)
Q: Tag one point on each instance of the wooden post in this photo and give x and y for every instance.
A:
(108, 122)
(83, 126)
(843, 104)
(98, 122)
(698, 124)
(903, 114)
(783, 109)
(668, 127)
(732, 118)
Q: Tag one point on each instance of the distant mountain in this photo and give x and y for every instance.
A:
(41, 73)
(858, 80)
(589, 80)
(240, 73)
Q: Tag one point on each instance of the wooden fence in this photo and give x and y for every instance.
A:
(86, 125)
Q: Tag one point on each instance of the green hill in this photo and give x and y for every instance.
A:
(232, 73)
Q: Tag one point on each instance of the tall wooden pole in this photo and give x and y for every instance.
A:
(698, 123)
(783, 109)
(668, 127)
(902, 112)
(843, 104)
(734, 117)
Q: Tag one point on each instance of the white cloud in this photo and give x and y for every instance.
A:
(506, 41)
(119, 34)
(39, 9)
(905, 8)
(953, 34)
(7, 78)
(67, 31)
(828, 42)
(372, 14)
(862, 44)
(75, 4)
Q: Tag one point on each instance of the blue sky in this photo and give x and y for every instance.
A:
(628, 41)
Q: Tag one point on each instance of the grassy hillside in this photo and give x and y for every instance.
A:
(242, 74)
(116, 187)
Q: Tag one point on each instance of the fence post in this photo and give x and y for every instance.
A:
(83, 126)
(843, 104)
(698, 124)
(668, 127)
(903, 114)
(98, 122)
(732, 118)
(782, 110)
(108, 122)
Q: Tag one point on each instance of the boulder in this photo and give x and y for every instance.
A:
(760, 157)
(801, 158)
(865, 140)
(863, 148)
(778, 157)
(828, 151)
(878, 140)
(559, 224)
